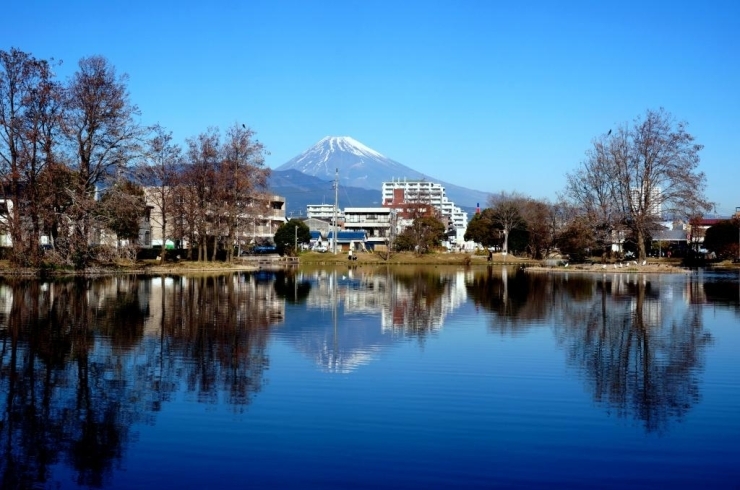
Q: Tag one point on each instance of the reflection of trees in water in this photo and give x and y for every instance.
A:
(417, 301)
(519, 299)
(723, 290)
(62, 397)
(76, 370)
(222, 334)
(637, 359)
(289, 287)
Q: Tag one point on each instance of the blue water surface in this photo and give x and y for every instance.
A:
(364, 379)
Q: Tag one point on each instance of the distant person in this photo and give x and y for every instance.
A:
(490, 255)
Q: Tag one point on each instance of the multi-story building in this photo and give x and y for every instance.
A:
(375, 222)
(258, 223)
(266, 220)
(651, 197)
(97, 236)
(400, 194)
(324, 212)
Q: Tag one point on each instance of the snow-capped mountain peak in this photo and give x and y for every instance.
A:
(348, 144)
(358, 164)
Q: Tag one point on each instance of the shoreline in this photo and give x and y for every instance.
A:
(315, 259)
(611, 269)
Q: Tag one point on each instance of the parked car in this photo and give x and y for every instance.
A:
(265, 249)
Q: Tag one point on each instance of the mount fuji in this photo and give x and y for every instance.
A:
(360, 168)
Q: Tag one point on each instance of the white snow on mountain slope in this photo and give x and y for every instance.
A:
(351, 145)
(353, 160)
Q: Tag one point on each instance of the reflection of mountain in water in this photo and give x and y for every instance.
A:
(374, 310)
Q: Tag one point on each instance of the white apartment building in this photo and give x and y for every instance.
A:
(324, 212)
(655, 200)
(400, 191)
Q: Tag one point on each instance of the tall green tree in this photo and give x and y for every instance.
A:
(424, 235)
(482, 229)
(291, 235)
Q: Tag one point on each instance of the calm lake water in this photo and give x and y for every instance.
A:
(372, 378)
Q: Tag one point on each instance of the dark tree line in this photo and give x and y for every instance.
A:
(74, 165)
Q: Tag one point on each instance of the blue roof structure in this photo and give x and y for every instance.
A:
(348, 236)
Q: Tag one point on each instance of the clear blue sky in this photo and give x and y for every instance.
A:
(489, 95)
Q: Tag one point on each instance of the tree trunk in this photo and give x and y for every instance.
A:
(164, 236)
(641, 254)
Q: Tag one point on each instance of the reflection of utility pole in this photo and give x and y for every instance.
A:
(336, 202)
(334, 315)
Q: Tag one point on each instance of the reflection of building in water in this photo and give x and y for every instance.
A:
(399, 303)
(6, 303)
(343, 361)
(352, 315)
(255, 298)
(410, 312)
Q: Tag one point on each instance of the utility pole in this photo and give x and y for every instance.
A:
(336, 202)
(295, 241)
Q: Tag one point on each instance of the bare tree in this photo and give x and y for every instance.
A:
(100, 124)
(159, 174)
(30, 109)
(242, 173)
(647, 170)
(186, 213)
(56, 183)
(199, 178)
(592, 188)
(121, 209)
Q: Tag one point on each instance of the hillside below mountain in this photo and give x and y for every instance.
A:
(300, 190)
(360, 167)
